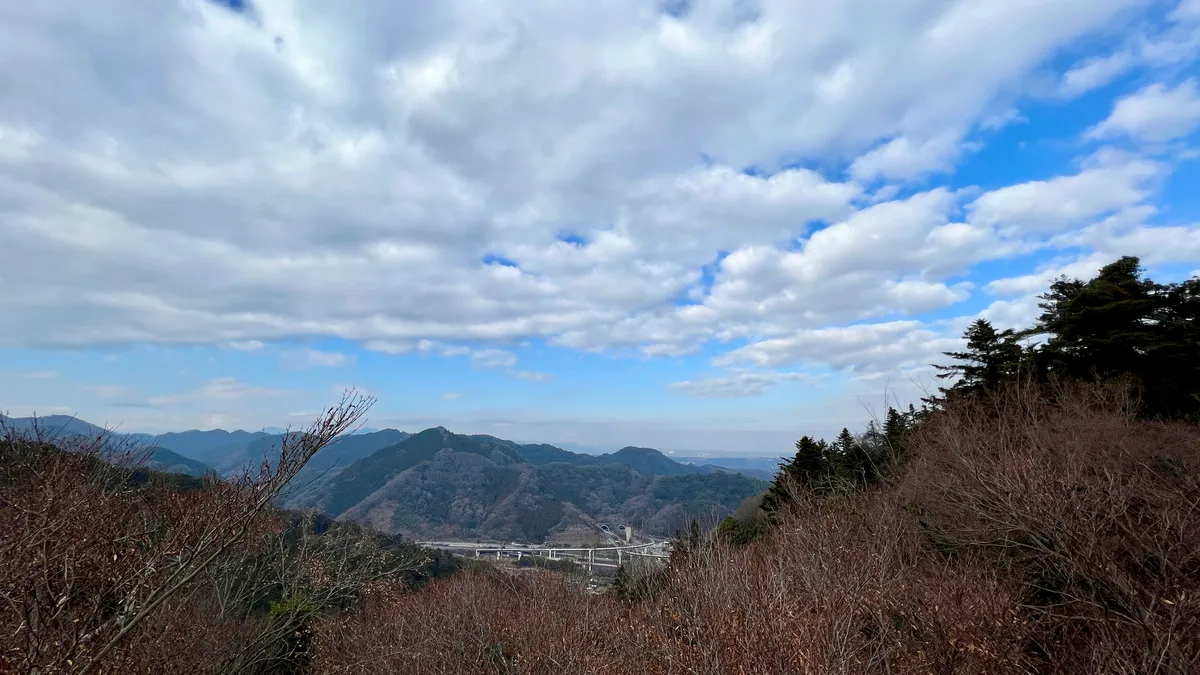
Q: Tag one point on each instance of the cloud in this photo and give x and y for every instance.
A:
(217, 390)
(735, 385)
(1095, 72)
(451, 396)
(1156, 113)
(905, 158)
(1187, 11)
(1108, 182)
(463, 136)
(246, 345)
(33, 374)
(493, 358)
(108, 391)
(531, 375)
(862, 348)
(302, 359)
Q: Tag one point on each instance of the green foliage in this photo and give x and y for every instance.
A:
(740, 532)
(991, 357)
(1117, 326)
(637, 579)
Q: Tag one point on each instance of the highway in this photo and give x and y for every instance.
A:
(589, 557)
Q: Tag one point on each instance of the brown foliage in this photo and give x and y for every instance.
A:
(104, 568)
(1053, 533)
(1095, 511)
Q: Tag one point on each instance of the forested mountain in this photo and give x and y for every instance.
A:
(437, 484)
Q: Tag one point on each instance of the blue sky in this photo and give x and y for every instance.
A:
(691, 227)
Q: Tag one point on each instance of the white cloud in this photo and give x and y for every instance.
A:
(493, 358)
(247, 345)
(108, 391)
(33, 374)
(1108, 182)
(734, 385)
(1156, 113)
(863, 348)
(217, 390)
(458, 133)
(1095, 72)
(451, 396)
(302, 359)
(905, 158)
(531, 375)
(1187, 11)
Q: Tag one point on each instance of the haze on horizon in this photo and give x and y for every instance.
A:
(701, 226)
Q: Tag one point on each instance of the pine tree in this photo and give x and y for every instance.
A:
(1122, 325)
(895, 430)
(990, 358)
(808, 468)
(1101, 328)
(852, 461)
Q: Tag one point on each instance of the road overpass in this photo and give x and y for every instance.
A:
(590, 557)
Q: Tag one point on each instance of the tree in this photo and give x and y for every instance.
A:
(809, 468)
(895, 430)
(1101, 328)
(1122, 325)
(990, 357)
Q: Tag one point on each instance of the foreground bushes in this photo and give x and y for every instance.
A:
(110, 569)
(1028, 531)
(1022, 531)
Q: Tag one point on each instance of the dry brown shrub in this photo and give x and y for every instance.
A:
(833, 589)
(1030, 532)
(1096, 512)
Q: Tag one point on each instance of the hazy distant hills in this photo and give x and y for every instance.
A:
(437, 484)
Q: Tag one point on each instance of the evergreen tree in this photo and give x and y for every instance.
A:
(991, 356)
(1101, 328)
(895, 429)
(809, 468)
(854, 463)
(1121, 324)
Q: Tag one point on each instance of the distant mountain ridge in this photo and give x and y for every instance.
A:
(438, 484)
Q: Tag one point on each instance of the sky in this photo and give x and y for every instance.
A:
(706, 226)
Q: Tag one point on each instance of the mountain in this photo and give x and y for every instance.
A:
(763, 468)
(196, 452)
(437, 484)
(230, 451)
(166, 461)
(53, 426)
(220, 449)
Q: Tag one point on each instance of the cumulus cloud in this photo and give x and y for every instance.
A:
(1156, 113)
(906, 158)
(451, 179)
(313, 171)
(1108, 182)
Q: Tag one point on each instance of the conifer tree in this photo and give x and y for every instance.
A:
(990, 357)
(808, 468)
